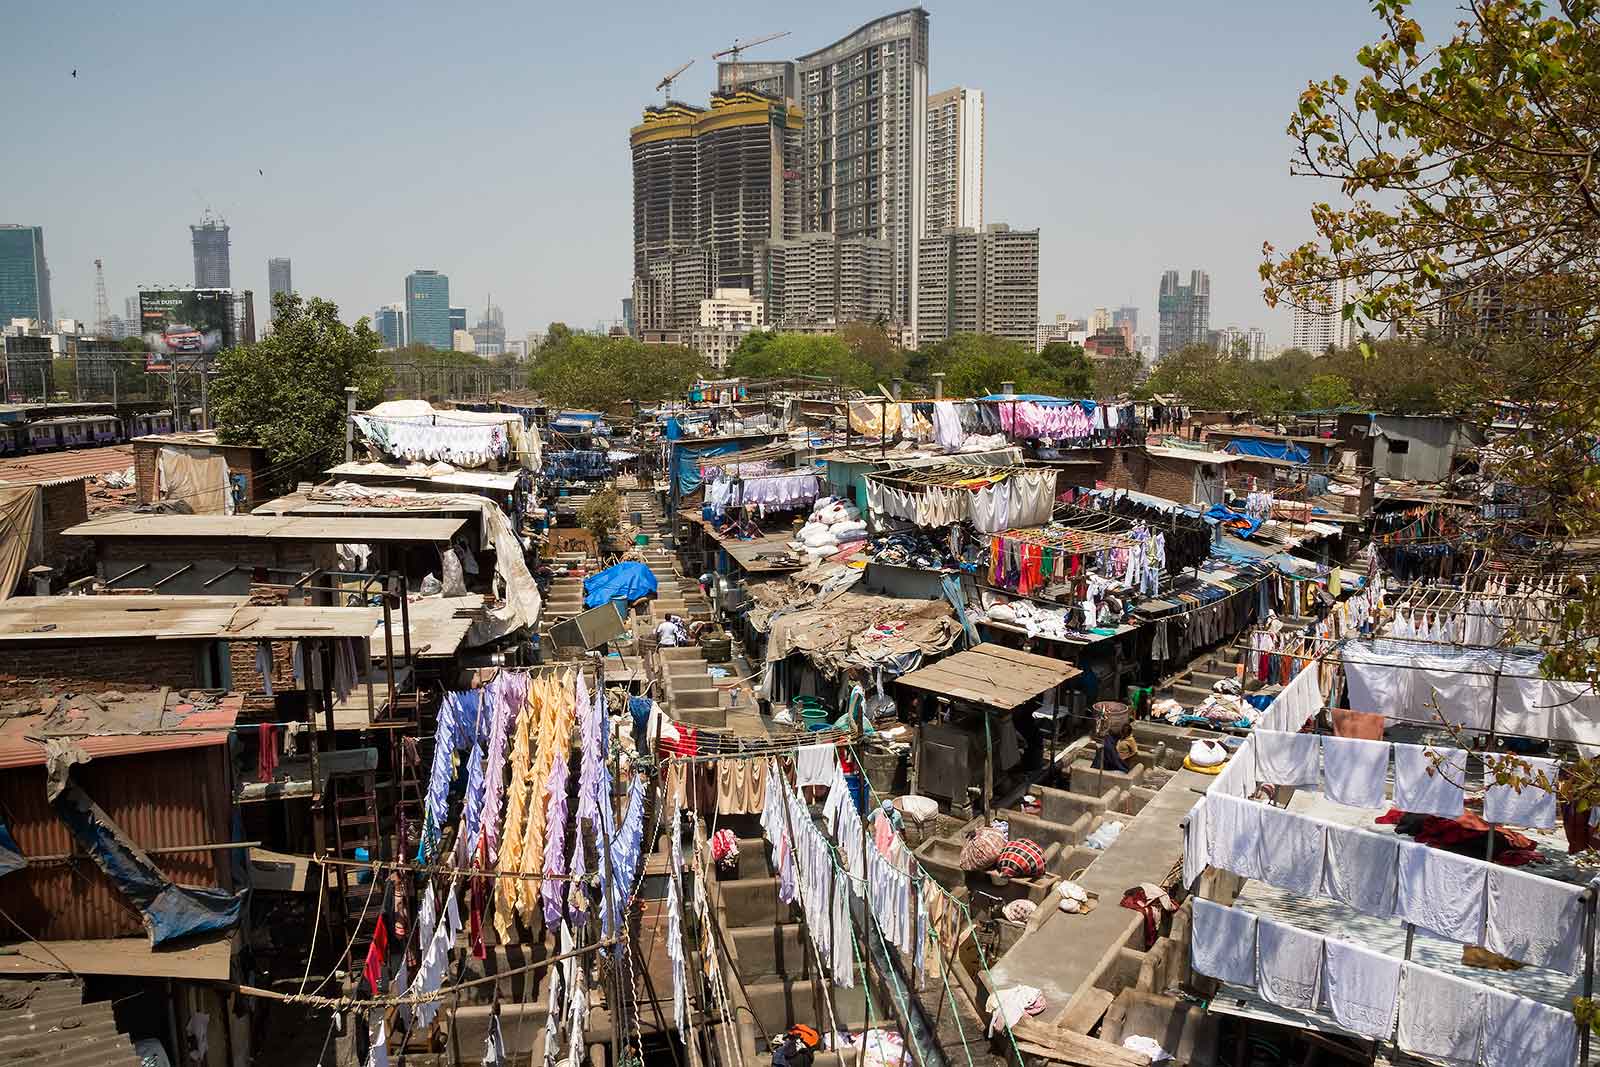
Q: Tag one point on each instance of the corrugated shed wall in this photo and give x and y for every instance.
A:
(159, 799)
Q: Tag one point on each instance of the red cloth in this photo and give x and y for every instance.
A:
(686, 744)
(479, 897)
(267, 756)
(377, 953)
(1467, 835)
(1020, 858)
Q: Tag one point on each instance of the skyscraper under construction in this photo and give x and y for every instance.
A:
(708, 184)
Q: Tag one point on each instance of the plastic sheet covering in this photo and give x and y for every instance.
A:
(1268, 450)
(169, 911)
(872, 418)
(21, 533)
(197, 478)
(686, 463)
(629, 579)
(1244, 526)
(11, 858)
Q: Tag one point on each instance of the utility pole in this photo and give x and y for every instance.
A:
(205, 396)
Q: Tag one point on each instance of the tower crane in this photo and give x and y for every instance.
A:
(740, 46)
(665, 84)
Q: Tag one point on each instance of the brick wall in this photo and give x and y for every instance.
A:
(65, 505)
(144, 471)
(46, 667)
(247, 462)
(1171, 479)
(242, 659)
(241, 460)
(1124, 468)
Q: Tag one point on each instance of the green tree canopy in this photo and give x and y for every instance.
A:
(976, 365)
(1067, 369)
(783, 355)
(581, 371)
(286, 392)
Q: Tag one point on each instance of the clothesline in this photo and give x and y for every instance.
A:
(1077, 542)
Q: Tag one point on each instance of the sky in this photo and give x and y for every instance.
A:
(490, 142)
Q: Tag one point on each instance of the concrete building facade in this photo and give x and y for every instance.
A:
(279, 280)
(728, 308)
(979, 281)
(955, 160)
(1184, 311)
(24, 276)
(1320, 324)
(711, 183)
(864, 170)
(212, 268)
(822, 281)
(428, 311)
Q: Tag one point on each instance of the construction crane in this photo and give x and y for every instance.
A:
(665, 84)
(740, 46)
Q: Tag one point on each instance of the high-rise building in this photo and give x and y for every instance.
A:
(629, 322)
(24, 275)
(278, 281)
(428, 310)
(211, 263)
(1064, 330)
(390, 323)
(1126, 319)
(1318, 319)
(1184, 310)
(1228, 340)
(489, 336)
(710, 183)
(979, 281)
(1257, 338)
(955, 160)
(1099, 320)
(775, 79)
(864, 169)
(458, 319)
(819, 282)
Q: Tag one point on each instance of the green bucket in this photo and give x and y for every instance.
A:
(641, 539)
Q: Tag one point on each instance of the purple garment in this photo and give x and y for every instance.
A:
(473, 805)
(508, 692)
(594, 788)
(555, 842)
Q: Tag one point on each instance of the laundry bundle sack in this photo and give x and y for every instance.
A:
(983, 848)
(1207, 754)
(1021, 858)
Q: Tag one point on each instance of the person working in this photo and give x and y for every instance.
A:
(671, 634)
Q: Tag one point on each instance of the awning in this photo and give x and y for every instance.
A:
(993, 675)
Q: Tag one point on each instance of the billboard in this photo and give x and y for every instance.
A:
(184, 323)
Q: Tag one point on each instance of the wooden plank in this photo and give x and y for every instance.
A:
(1030, 659)
(1081, 1051)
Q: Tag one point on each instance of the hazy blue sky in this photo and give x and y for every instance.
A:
(490, 141)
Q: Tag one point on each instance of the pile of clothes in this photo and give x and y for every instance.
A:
(922, 549)
(835, 525)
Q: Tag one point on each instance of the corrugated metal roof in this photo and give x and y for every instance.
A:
(53, 468)
(133, 726)
(175, 617)
(268, 527)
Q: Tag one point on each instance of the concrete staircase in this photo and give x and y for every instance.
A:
(692, 695)
(775, 958)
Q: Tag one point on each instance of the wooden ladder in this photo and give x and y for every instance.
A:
(409, 804)
(353, 803)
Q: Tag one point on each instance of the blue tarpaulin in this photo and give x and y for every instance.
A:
(1218, 513)
(10, 855)
(1268, 450)
(629, 580)
(686, 463)
(169, 911)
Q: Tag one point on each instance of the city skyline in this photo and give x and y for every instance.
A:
(562, 213)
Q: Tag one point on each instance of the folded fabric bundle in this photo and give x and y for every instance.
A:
(1441, 1016)
(1533, 919)
(1532, 805)
(1289, 965)
(1355, 771)
(1292, 851)
(1361, 869)
(1360, 988)
(1442, 892)
(1518, 1032)
(1222, 943)
(1430, 781)
(1284, 758)
(1235, 834)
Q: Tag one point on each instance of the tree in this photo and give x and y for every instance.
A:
(555, 335)
(871, 343)
(977, 364)
(1115, 377)
(602, 372)
(1201, 375)
(1066, 368)
(785, 355)
(286, 392)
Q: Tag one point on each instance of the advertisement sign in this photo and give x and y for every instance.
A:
(184, 323)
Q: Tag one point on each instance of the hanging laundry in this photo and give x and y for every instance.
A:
(1533, 919)
(1355, 771)
(1441, 1016)
(1223, 943)
(1442, 892)
(1362, 988)
(1429, 781)
(1292, 852)
(1361, 869)
(1532, 804)
(1518, 1032)
(1284, 758)
(1289, 966)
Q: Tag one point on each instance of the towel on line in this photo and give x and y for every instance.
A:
(1235, 834)
(1355, 771)
(1196, 846)
(1533, 919)
(1291, 851)
(1441, 1016)
(1518, 1032)
(1360, 988)
(1531, 806)
(1289, 965)
(1442, 892)
(1430, 781)
(1360, 869)
(1284, 758)
(1222, 943)
(815, 765)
